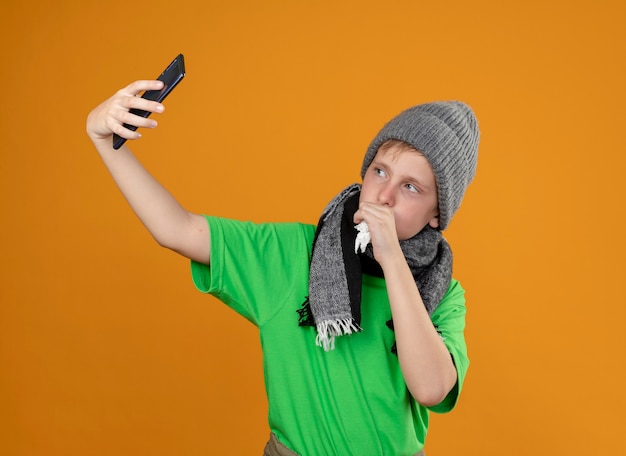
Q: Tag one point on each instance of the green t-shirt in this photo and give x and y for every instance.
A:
(349, 401)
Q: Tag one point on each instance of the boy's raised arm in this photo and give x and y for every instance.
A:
(170, 224)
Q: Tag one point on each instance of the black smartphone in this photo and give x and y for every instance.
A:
(171, 76)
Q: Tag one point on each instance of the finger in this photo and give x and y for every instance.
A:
(119, 127)
(371, 210)
(142, 85)
(129, 118)
(358, 217)
(364, 213)
(144, 105)
(124, 132)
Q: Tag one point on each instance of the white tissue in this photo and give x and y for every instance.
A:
(362, 238)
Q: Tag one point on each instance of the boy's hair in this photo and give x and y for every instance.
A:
(447, 134)
(400, 145)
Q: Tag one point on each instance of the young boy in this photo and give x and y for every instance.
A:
(361, 328)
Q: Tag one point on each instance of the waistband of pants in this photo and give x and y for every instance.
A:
(275, 448)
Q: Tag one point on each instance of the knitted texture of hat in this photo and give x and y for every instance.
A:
(446, 132)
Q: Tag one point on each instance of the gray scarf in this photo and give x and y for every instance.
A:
(336, 271)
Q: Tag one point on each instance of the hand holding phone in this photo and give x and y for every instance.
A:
(171, 76)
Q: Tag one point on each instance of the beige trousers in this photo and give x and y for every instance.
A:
(275, 448)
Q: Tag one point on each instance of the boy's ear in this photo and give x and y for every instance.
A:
(434, 222)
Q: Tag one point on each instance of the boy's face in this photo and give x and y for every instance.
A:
(403, 180)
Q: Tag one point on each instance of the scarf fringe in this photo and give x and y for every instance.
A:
(329, 329)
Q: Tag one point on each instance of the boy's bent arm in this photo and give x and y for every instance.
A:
(425, 361)
(169, 223)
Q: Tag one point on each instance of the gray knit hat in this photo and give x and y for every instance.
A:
(447, 134)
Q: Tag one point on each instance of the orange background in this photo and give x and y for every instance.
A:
(106, 347)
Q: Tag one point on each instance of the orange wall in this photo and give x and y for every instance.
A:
(106, 347)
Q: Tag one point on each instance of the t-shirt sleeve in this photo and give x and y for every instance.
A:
(449, 320)
(254, 263)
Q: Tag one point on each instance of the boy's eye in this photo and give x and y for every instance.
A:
(379, 172)
(412, 188)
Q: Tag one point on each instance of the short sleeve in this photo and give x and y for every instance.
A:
(254, 267)
(449, 320)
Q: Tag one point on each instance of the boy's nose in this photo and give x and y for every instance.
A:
(386, 196)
